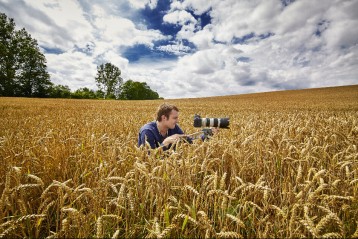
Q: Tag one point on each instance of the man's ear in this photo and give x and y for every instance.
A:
(163, 117)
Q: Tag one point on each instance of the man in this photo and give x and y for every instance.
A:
(164, 131)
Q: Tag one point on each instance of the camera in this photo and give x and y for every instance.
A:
(211, 122)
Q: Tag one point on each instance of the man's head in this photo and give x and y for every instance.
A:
(168, 115)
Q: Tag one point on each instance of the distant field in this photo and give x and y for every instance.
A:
(287, 167)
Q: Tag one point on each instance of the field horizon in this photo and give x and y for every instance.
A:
(348, 92)
(328, 88)
(336, 90)
(286, 168)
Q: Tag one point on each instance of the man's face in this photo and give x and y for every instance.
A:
(173, 119)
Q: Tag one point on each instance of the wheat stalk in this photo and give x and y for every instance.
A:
(228, 235)
(99, 227)
(36, 178)
(167, 231)
(191, 189)
(286, 168)
(236, 220)
(115, 235)
(325, 220)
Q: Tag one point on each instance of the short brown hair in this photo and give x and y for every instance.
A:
(165, 109)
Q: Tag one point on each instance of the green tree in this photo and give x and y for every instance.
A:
(33, 78)
(22, 66)
(99, 94)
(8, 47)
(84, 93)
(60, 91)
(133, 90)
(109, 80)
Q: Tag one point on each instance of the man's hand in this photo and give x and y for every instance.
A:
(172, 139)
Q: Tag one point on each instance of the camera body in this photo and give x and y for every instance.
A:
(211, 122)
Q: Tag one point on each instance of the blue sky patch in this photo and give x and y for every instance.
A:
(153, 18)
(139, 51)
(245, 38)
(48, 50)
(189, 44)
(242, 40)
(266, 35)
(204, 19)
(243, 59)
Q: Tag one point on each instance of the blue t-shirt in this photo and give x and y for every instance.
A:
(151, 133)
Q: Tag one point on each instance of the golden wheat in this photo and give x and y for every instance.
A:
(287, 167)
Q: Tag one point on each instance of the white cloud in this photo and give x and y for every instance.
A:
(67, 24)
(199, 6)
(116, 59)
(203, 38)
(308, 44)
(64, 25)
(341, 27)
(177, 49)
(293, 58)
(74, 69)
(179, 17)
(142, 3)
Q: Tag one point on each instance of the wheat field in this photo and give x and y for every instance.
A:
(286, 168)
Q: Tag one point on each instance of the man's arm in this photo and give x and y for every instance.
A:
(183, 136)
(205, 134)
(147, 136)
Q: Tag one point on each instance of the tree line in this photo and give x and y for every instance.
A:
(23, 72)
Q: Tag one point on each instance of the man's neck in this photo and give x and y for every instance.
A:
(161, 128)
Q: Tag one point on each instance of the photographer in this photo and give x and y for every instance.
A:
(164, 132)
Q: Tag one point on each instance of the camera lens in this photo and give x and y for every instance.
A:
(211, 122)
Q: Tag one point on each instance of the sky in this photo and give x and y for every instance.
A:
(196, 48)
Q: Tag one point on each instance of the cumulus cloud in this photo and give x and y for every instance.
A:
(143, 3)
(198, 6)
(244, 46)
(307, 45)
(123, 32)
(56, 24)
(83, 36)
(72, 69)
(177, 49)
(179, 17)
